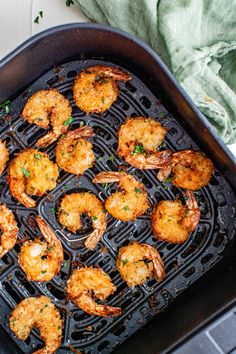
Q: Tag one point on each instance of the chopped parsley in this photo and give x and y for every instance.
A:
(59, 327)
(39, 119)
(66, 264)
(69, 2)
(68, 121)
(94, 217)
(25, 172)
(81, 124)
(63, 136)
(112, 158)
(50, 249)
(103, 99)
(5, 106)
(44, 271)
(139, 149)
(46, 305)
(126, 207)
(138, 190)
(87, 71)
(169, 179)
(124, 261)
(36, 20)
(37, 156)
(97, 78)
(53, 210)
(41, 14)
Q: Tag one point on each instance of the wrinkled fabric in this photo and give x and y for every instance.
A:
(195, 38)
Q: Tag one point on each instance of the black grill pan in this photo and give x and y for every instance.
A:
(78, 47)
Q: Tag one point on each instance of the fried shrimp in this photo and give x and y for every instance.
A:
(31, 172)
(191, 170)
(41, 260)
(4, 156)
(75, 204)
(138, 140)
(86, 282)
(47, 108)
(74, 154)
(130, 202)
(172, 221)
(41, 313)
(95, 88)
(137, 262)
(8, 226)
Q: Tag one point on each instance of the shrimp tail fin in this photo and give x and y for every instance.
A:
(115, 73)
(83, 132)
(159, 159)
(47, 232)
(93, 239)
(164, 173)
(87, 304)
(48, 139)
(107, 177)
(194, 211)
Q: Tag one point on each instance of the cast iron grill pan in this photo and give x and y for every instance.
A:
(184, 263)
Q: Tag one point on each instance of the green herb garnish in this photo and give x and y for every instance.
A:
(105, 186)
(63, 136)
(53, 210)
(124, 261)
(94, 217)
(25, 172)
(97, 78)
(87, 71)
(50, 249)
(112, 158)
(5, 106)
(169, 179)
(44, 271)
(66, 264)
(36, 20)
(41, 14)
(139, 149)
(138, 190)
(68, 121)
(103, 99)
(81, 124)
(126, 207)
(37, 156)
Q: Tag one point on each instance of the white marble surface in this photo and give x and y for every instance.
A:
(17, 22)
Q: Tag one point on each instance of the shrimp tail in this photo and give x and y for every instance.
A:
(83, 132)
(164, 173)
(20, 194)
(48, 139)
(93, 239)
(87, 304)
(194, 212)
(107, 177)
(113, 72)
(46, 231)
(158, 266)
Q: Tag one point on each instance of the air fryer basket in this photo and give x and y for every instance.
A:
(53, 59)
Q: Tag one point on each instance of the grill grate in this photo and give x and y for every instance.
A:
(184, 263)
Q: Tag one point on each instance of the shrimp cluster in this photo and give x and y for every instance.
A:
(172, 221)
(75, 204)
(4, 156)
(137, 262)
(48, 108)
(128, 203)
(41, 313)
(138, 140)
(74, 154)
(95, 88)
(191, 170)
(41, 260)
(31, 173)
(84, 283)
(9, 228)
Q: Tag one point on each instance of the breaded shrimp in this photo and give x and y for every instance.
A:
(86, 282)
(191, 170)
(74, 154)
(8, 226)
(130, 202)
(41, 260)
(95, 88)
(48, 108)
(75, 204)
(31, 172)
(41, 313)
(138, 140)
(137, 262)
(172, 221)
(4, 156)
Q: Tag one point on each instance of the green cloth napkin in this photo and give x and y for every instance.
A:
(195, 38)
